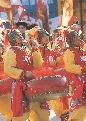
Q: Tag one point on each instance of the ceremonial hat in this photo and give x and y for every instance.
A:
(11, 36)
(70, 35)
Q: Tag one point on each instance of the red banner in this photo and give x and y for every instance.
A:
(42, 14)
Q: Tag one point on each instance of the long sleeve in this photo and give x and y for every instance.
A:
(84, 46)
(69, 62)
(10, 65)
(37, 59)
(1, 64)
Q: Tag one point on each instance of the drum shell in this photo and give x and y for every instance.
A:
(42, 89)
(5, 86)
(47, 88)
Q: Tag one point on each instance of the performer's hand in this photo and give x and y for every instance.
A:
(29, 74)
(52, 63)
(34, 44)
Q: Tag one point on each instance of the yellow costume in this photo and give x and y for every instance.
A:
(5, 107)
(58, 107)
(75, 115)
(38, 114)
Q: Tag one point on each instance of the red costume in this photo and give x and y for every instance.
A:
(25, 62)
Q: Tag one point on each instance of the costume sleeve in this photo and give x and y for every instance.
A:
(69, 62)
(37, 59)
(60, 62)
(84, 46)
(10, 65)
(1, 65)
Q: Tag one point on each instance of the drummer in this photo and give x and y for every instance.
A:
(18, 65)
(50, 57)
(77, 68)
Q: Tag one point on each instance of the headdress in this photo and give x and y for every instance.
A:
(42, 33)
(11, 36)
(70, 35)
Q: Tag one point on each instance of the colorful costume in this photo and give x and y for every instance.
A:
(73, 62)
(76, 68)
(5, 105)
(50, 56)
(61, 110)
(20, 63)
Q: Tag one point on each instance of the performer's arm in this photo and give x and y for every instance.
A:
(10, 65)
(37, 59)
(70, 63)
(1, 65)
(84, 47)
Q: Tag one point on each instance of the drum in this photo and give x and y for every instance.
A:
(5, 86)
(40, 89)
(47, 88)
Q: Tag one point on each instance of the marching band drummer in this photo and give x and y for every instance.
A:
(18, 65)
(77, 68)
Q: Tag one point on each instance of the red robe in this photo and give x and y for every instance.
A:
(25, 62)
(78, 84)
